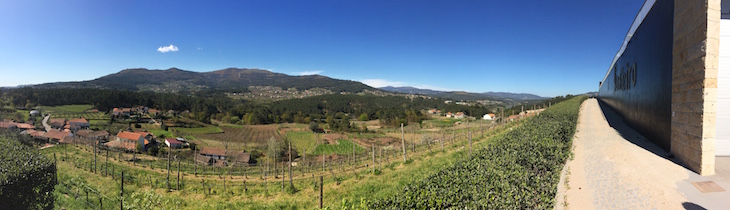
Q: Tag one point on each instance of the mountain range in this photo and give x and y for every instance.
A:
(461, 95)
(175, 80)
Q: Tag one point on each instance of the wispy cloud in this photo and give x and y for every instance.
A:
(164, 49)
(310, 72)
(382, 83)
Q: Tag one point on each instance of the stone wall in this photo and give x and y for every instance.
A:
(695, 53)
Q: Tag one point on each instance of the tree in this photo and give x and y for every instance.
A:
(273, 149)
(314, 127)
(153, 150)
(363, 117)
(234, 119)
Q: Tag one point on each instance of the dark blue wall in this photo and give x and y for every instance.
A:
(639, 85)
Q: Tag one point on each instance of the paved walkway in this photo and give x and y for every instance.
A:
(45, 122)
(614, 167)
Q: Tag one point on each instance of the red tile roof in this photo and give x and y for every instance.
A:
(55, 134)
(129, 135)
(213, 151)
(57, 121)
(78, 120)
(25, 126)
(173, 141)
(6, 124)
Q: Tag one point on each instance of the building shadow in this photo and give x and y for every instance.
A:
(692, 206)
(616, 121)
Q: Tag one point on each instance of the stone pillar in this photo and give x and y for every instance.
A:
(695, 54)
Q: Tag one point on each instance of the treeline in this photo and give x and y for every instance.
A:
(390, 110)
(336, 110)
(104, 100)
(537, 104)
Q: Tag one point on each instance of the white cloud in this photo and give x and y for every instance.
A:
(310, 73)
(164, 49)
(382, 83)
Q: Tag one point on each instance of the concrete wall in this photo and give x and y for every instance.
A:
(638, 85)
(694, 83)
(664, 80)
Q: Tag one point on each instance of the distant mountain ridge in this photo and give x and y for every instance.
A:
(461, 95)
(174, 79)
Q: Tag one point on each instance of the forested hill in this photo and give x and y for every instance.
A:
(390, 110)
(461, 95)
(182, 81)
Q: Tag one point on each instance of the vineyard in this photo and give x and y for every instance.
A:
(520, 170)
(85, 115)
(89, 181)
(343, 147)
(358, 169)
(74, 111)
(255, 135)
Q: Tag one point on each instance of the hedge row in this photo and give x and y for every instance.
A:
(27, 178)
(520, 170)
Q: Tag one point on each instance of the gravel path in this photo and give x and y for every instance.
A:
(616, 168)
(45, 122)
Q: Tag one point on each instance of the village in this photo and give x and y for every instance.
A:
(58, 131)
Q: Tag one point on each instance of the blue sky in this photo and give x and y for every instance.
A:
(546, 48)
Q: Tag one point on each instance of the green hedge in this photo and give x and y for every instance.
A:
(520, 170)
(27, 178)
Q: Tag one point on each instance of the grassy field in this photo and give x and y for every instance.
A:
(155, 129)
(302, 140)
(199, 131)
(343, 147)
(67, 108)
(441, 122)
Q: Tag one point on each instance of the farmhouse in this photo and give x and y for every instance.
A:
(57, 123)
(215, 153)
(33, 133)
(459, 115)
(57, 135)
(138, 137)
(80, 123)
(122, 112)
(241, 157)
(122, 145)
(90, 134)
(488, 117)
(8, 125)
(25, 126)
(173, 143)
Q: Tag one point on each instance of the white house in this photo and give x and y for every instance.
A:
(487, 117)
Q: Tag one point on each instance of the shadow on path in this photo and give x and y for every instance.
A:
(616, 121)
(692, 206)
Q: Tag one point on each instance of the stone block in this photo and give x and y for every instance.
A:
(695, 95)
(707, 169)
(694, 131)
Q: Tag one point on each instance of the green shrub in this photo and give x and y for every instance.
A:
(520, 170)
(27, 178)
